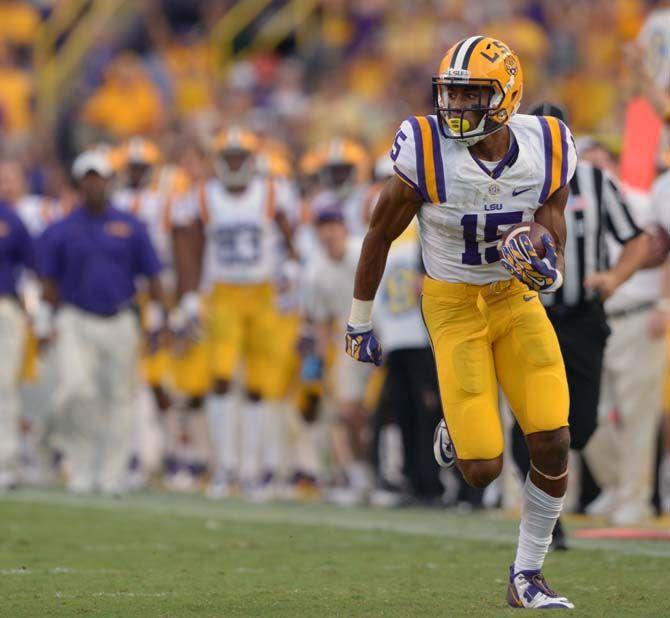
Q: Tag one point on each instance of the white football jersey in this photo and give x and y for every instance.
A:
(240, 231)
(397, 315)
(468, 206)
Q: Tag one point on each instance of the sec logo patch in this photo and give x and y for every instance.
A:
(494, 189)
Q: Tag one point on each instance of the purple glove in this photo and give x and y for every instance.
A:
(521, 260)
(361, 344)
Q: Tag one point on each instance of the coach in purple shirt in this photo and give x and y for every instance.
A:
(16, 250)
(88, 263)
(16, 254)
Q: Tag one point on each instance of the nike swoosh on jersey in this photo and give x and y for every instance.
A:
(528, 298)
(516, 192)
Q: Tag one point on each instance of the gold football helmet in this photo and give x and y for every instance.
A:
(482, 63)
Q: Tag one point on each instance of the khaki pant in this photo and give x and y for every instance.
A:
(621, 455)
(97, 377)
(12, 340)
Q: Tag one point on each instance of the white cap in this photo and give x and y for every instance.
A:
(92, 161)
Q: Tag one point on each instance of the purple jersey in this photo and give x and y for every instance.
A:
(16, 249)
(94, 259)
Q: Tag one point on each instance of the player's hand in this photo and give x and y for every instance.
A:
(43, 325)
(521, 260)
(605, 283)
(361, 344)
(184, 320)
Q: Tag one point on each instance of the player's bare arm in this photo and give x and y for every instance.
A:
(397, 206)
(188, 241)
(287, 233)
(552, 216)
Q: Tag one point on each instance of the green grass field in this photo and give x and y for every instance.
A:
(156, 554)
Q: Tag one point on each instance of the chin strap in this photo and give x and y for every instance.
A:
(548, 476)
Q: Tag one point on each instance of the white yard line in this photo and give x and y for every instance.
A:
(486, 527)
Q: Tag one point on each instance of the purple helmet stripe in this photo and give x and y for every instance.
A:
(437, 158)
(548, 154)
(420, 169)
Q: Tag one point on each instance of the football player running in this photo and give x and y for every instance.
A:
(469, 172)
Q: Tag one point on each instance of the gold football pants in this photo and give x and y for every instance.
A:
(489, 335)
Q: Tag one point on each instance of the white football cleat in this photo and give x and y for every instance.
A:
(529, 590)
(443, 448)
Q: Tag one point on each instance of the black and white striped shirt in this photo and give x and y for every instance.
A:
(595, 207)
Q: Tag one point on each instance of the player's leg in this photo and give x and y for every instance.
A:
(638, 386)
(530, 370)
(224, 333)
(12, 337)
(466, 377)
(119, 342)
(261, 420)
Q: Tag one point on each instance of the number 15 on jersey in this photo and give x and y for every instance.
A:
(492, 222)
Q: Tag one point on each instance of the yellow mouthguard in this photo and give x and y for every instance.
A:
(455, 125)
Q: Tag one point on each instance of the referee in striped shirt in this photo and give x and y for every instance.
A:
(595, 208)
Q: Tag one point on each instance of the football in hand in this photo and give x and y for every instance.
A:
(533, 230)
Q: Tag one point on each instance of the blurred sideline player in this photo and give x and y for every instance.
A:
(16, 255)
(36, 212)
(274, 164)
(344, 169)
(234, 220)
(150, 190)
(468, 172)
(329, 283)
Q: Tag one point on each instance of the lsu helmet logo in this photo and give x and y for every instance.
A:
(511, 65)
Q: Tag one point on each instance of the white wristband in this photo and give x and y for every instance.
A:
(361, 312)
(556, 284)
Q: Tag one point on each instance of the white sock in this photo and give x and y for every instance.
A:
(273, 435)
(253, 416)
(539, 512)
(222, 427)
(307, 460)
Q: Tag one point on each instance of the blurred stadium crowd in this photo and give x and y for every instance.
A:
(169, 98)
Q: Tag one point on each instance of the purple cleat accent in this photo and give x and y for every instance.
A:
(529, 590)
